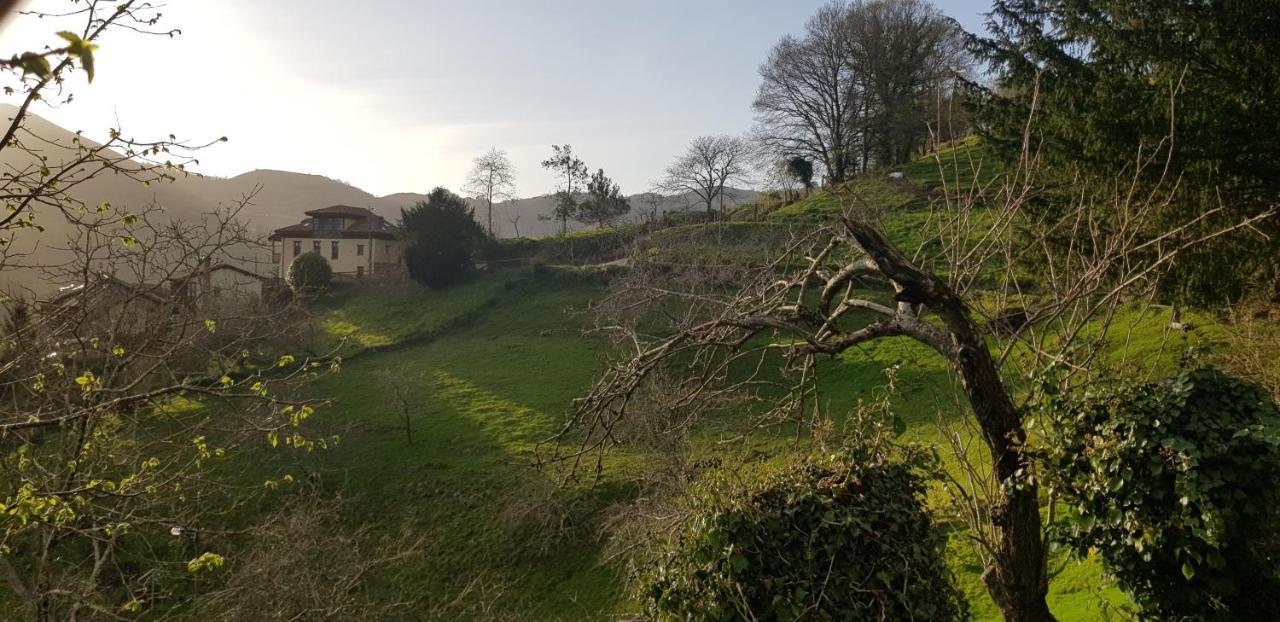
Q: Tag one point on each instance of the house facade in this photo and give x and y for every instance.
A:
(221, 285)
(355, 241)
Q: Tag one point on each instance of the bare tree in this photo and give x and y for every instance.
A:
(399, 386)
(862, 85)
(119, 392)
(513, 216)
(707, 168)
(653, 205)
(808, 96)
(905, 56)
(492, 178)
(831, 290)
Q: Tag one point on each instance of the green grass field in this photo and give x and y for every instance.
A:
(492, 368)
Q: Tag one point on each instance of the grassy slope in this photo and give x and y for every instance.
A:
(492, 386)
(494, 365)
(484, 392)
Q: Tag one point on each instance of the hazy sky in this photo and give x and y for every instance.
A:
(399, 96)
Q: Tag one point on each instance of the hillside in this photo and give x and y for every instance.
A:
(280, 198)
(492, 368)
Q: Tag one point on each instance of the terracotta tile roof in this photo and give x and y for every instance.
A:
(342, 210)
(366, 224)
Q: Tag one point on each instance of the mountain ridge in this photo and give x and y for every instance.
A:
(278, 198)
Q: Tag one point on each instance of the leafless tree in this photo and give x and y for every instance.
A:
(513, 216)
(119, 392)
(707, 168)
(807, 95)
(399, 386)
(653, 205)
(831, 290)
(862, 86)
(492, 179)
(905, 56)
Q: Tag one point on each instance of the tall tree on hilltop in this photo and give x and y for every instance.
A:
(604, 203)
(863, 86)
(443, 237)
(807, 95)
(1172, 90)
(573, 174)
(707, 168)
(905, 55)
(492, 179)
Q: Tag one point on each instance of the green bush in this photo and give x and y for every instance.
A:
(1174, 483)
(833, 540)
(310, 272)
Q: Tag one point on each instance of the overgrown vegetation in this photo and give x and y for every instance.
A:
(1176, 486)
(844, 537)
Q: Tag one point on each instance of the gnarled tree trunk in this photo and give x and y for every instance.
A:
(1018, 579)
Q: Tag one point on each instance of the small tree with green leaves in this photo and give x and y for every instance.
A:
(1175, 485)
(443, 238)
(310, 273)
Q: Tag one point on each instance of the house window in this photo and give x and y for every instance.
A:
(315, 246)
(359, 250)
(297, 247)
(387, 247)
(333, 250)
(359, 272)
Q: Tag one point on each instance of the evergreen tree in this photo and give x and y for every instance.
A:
(801, 169)
(571, 168)
(1166, 91)
(443, 236)
(604, 204)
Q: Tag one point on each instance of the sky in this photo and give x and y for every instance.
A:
(395, 96)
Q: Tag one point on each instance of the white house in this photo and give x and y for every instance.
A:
(355, 241)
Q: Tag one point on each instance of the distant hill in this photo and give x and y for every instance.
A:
(281, 199)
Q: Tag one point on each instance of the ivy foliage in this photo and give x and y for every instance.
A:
(1174, 484)
(840, 538)
(310, 272)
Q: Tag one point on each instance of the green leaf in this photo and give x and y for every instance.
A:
(36, 64)
(80, 49)
(1188, 570)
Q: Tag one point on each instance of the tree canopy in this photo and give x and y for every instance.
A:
(604, 204)
(1185, 92)
(442, 238)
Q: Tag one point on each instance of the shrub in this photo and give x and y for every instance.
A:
(832, 540)
(310, 272)
(1174, 484)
